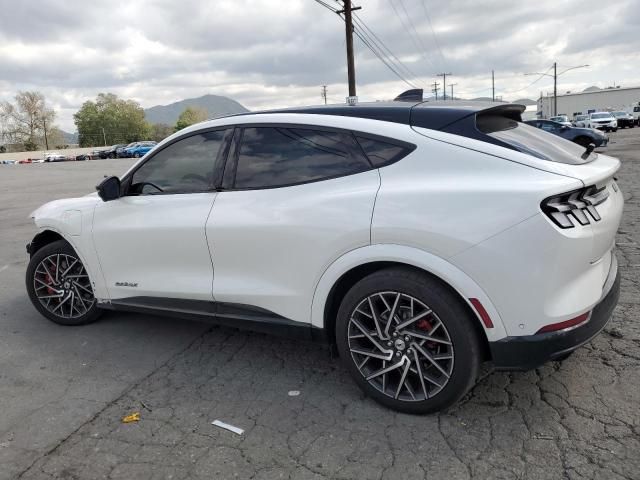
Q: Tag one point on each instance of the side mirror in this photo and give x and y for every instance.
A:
(109, 189)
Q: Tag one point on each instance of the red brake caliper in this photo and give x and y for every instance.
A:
(426, 326)
(49, 281)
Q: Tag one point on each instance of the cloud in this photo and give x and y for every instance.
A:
(270, 54)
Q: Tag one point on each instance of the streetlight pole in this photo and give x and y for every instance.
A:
(555, 89)
(555, 81)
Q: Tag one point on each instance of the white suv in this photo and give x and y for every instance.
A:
(421, 238)
(603, 121)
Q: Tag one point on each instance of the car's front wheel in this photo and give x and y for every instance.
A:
(408, 341)
(59, 286)
(136, 155)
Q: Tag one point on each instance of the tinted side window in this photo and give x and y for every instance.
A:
(275, 156)
(381, 153)
(183, 167)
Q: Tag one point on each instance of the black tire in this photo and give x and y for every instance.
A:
(446, 308)
(136, 155)
(582, 141)
(112, 155)
(614, 130)
(86, 309)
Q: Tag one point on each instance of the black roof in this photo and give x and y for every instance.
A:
(436, 115)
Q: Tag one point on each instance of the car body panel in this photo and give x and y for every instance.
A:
(401, 254)
(269, 249)
(157, 243)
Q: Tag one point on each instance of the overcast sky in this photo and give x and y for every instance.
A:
(277, 53)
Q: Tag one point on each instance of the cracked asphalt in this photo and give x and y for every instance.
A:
(63, 391)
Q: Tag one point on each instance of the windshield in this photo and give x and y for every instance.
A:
(531, 140)
(601, 115)
(619, 114)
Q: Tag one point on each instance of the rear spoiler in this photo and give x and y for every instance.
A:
(450, 121)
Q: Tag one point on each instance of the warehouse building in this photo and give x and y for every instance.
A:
(591, 99)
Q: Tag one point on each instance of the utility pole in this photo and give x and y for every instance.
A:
(323, 93)
(435, 89)
(104, 136)
(444, 84)
(493, 87)
(451, 85)
(348, 22)
(44, 126)
(555, 81)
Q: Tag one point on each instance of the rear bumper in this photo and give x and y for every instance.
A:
(531, 351)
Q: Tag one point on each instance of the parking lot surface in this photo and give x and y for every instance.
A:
(64, 391)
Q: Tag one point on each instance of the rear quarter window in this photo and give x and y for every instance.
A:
(382, 152)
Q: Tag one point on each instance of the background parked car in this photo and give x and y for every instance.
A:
(602, 120)
(581, 136)
(562, 119)
(54, 157)
(580, 120)
(121, 152)
(139, 149)
(111, 151)
(624, 119)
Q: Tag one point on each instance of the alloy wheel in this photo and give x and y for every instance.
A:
(400, 346)
(62, 286)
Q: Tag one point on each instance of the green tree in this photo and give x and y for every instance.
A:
(110, 120)
(189, 116)
(27, 120)
(159, 131)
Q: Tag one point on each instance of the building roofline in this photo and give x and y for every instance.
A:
(603, 90)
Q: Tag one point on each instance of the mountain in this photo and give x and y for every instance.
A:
(525, 101)
(70, 138)
(485, 99)
(215, 105)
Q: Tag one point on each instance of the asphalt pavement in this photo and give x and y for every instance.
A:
(65, 390)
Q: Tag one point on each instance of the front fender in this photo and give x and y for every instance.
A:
(415, 257)
(72, 219)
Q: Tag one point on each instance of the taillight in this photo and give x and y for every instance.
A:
(576, 206)
(573, 322)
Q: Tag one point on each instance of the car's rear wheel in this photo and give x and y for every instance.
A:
(59, 286)
(408, 341)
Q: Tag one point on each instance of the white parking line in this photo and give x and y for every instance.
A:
(2, 269)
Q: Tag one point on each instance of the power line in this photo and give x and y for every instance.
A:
(531, 84)
(371, 35)
(371, 47)
(368, 44)
(383, 60)
(415, 31)
(408, 29)
(433, 32)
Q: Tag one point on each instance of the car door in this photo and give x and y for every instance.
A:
(294, 200)
(151, 241)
